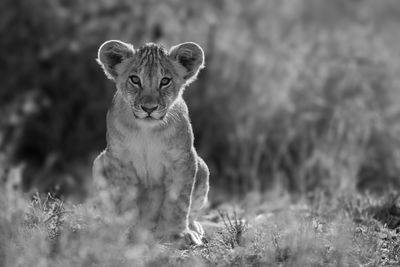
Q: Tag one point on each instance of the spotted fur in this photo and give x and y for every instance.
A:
(150, 166)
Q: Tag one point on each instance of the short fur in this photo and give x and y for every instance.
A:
(150, 165)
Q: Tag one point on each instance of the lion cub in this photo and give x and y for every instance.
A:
(150, 166)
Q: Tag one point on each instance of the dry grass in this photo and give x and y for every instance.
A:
(347, 231)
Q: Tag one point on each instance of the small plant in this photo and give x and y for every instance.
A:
(48, 216)
(46, 213)
(235, 228)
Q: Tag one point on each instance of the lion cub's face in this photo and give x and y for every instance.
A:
(150, 78)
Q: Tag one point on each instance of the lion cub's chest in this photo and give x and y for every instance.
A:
(148, 158)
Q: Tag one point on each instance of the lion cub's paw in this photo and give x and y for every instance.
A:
(196, 226)
(187, 238)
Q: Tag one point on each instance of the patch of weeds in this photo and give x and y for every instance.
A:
(377, 232)
(388, 212)
(364, 208)
(235, 229)
(47, 215)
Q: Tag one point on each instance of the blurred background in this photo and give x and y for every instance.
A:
(298, 96)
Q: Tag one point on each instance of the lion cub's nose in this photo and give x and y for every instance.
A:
(149, 108)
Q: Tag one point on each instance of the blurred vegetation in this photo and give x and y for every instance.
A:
(354, 230)
(299, 95)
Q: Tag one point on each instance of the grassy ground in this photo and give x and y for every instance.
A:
(350, 230)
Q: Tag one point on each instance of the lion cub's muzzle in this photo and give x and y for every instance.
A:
(149, 109)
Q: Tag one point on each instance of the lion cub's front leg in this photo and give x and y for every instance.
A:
(199, 195)
(115, 191)
(177, 203)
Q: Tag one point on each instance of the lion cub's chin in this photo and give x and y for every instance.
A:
(149, 121)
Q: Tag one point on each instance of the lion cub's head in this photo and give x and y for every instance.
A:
(150, 78)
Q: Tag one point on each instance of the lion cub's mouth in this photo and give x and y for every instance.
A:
(149, 117)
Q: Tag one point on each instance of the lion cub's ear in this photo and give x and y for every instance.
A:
(190, 56)
(111, 53)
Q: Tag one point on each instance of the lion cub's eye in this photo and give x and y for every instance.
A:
(165, 82)
(135, 80)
